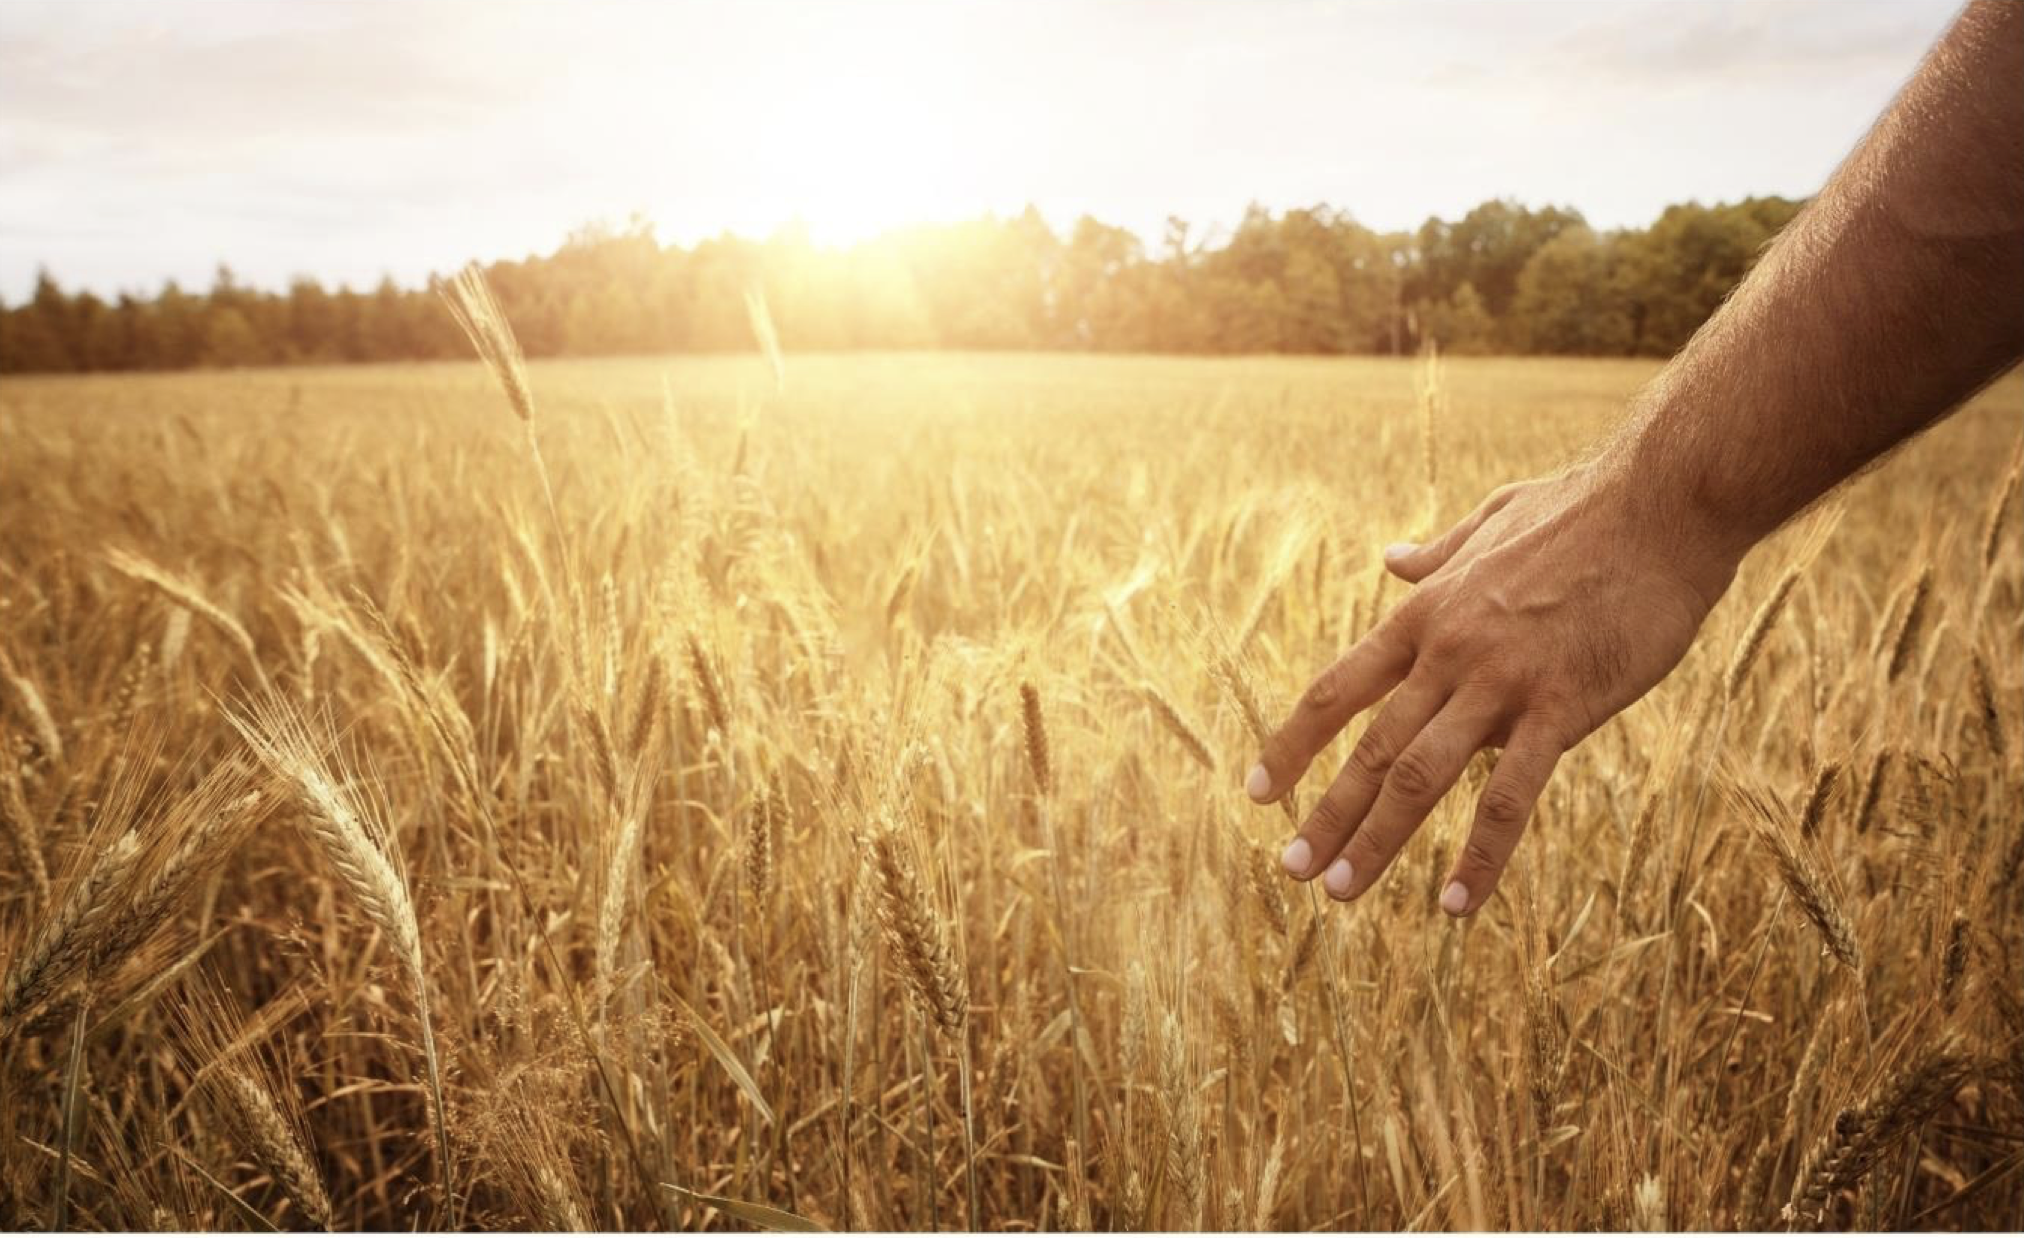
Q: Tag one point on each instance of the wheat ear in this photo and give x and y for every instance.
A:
(67, 938)
(1803, 878)
(190, 598)
(1039, 753)
(1988, 713)
(357, 844)
(1759, 630)
(39, 718)
(1860, 1136)
(1818, 796)
(1906, 637)
(218, 1045)
(1179, 727)
(471, 303)
(917, 933)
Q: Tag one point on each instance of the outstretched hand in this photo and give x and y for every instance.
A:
(1551, 607)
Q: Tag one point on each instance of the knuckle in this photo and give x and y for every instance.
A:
(1542, 701)
(1328, 819)
(1559, 717)
(1501, 809)
(1542, 693)
(1368, 856)
(1567, 728)
(1369, 761)
(1413, 777)
(1404, 626)
(1325, 691)
(1491, 683)
(1446, 643)
(1478, 857)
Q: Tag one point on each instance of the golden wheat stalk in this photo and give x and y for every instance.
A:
(1643, 831)
(186, 595)
(353, 840)
(130, 878)
(1179, 727)
(1547, 1045)
(1228, 672)
(1954, 957)
(471, 303)
(1184, 1166)
(257, 1106)
(360, 848)
(23, 831)
(1803, 879)
(40, 721)
(1432, 397)
(84, 908)
(603, 752)
(1259, 871)
(1906, 636)
(1758, 631)
(1862, 1134)
(646, 714)
(763, 821)
(1227, 668)
(622, 862)
(764, 332)
(184, 846)
(1872, 788)
(1750, 1213)
(276, 1145)
(917, 933)
(1818, 796)
(1039, 753)
(1132, 1031)
(709, 686)
(1999, 507)
(1988, 713)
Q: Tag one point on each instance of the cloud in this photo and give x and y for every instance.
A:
(141, 140)
(1790, 44)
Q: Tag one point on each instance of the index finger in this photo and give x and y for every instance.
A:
(1353, 683)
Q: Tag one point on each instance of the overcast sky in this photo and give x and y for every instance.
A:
(145, 141)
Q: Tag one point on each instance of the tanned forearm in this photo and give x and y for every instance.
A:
(1890, 299)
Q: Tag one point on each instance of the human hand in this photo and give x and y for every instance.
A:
(1554, 605)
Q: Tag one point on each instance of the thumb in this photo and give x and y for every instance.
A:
(1413, 563)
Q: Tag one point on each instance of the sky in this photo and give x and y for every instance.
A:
(353, 139)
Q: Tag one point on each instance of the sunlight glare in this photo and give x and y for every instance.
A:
(852, 125)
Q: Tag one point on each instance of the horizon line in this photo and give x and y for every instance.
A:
(1213, 234)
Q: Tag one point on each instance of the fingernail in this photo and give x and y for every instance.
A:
(1399, 550)
(1259, 784)
(1336, 880)
(1297, 857)
(1455, 899)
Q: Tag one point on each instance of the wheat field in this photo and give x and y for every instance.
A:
(685, 793)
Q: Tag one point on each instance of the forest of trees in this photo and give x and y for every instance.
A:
(1503, 278)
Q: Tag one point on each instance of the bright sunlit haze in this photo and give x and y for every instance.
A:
(141, 142)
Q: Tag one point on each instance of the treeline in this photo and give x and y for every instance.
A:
(1503, 278)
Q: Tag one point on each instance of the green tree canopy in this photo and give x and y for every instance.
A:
(1505, 276)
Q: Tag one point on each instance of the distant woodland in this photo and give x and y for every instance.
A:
(1504, 278)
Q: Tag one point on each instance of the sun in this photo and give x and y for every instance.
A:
(858, 124)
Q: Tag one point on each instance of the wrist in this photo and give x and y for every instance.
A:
(1670, 517)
